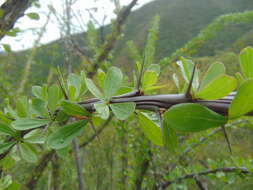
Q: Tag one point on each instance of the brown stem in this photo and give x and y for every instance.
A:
(38, 170)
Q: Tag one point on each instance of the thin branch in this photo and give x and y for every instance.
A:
(112, 39)
(227, 139)
(200, 184)
(38, 170)
(201, 141)
(98, 132)
(78, 162)
(241, 170)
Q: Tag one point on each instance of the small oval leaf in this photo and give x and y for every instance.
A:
(246, 62)
(191, 117)
(113, 80)
(218, 88)
(243, 100)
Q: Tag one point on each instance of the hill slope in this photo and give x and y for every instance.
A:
(181, 20)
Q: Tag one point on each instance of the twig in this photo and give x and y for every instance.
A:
(227, 138)
(203, 173)
(76, 151)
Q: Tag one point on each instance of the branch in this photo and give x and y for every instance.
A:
(203, 173)
(98, 132)
(12, 11)
(112, 39)
(78, 163)
(38, 170)
(201, 141)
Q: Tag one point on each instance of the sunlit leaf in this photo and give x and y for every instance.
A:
(189, 117)
(218, 88)
(149, 79)
(213, 72)
(246, 62)
(243, 100)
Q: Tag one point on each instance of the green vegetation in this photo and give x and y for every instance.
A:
(100, 127)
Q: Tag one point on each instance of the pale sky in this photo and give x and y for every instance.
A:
(27, 38)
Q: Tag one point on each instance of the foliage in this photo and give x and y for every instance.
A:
(151, 141)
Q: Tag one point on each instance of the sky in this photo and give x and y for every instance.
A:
(31, 28)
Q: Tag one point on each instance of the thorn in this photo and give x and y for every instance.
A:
(188, 91)
(227, 139)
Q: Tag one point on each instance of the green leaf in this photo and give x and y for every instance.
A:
(154, 67)
(170, 139)
(218, 88)
(39, 107)
(7, 48)
(93, 89)
(33, 16)
(35, 137)
(5, 146)
(189, 117)
(6, 129)
(186, 67)
(243, 101)
(28, 152)
(73, 109)
(150, 129)
(37, 91)
(14, 186)
(123, 110)
(54, 96)
(246, 62)
(113, 80)
(22, 106)
(74, 82)
(213, 72)
(24, 124)
(101, 77)
(102, 109)
(149, 79)
(64, 135)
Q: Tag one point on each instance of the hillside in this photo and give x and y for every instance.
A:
(181, 20)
